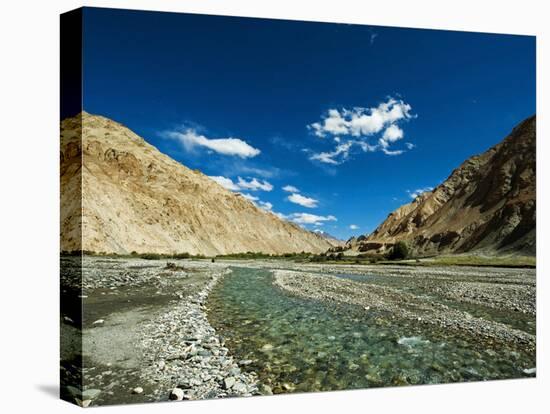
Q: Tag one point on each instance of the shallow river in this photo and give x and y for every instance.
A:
(304, 345)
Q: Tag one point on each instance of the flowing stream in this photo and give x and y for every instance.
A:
(300, 345)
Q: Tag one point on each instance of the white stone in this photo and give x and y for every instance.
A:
(176, 394)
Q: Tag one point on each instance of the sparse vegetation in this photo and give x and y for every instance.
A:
(497, 261)
(399, 251)
(134, 254)
(337, 258)
(259, 255)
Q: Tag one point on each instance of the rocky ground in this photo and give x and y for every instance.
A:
(145, 335)
(511, 294)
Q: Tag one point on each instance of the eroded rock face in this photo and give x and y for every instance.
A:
(134, 198)
(488, 204)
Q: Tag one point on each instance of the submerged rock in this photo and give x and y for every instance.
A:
(412, 341)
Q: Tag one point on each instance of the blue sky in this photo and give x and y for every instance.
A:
(355, 118)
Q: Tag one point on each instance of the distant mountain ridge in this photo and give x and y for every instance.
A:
(120, 195)
(335, 241)
(488, 205)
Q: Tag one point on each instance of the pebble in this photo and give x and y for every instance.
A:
(90, 394)
(239, 387)
(99, 322)
(137, 390)
(228, 382)
(176, 394)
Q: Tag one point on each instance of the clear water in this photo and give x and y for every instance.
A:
(303, 345)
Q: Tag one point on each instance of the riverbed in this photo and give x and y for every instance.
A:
(244, 328)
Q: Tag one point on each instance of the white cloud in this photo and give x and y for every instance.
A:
(336, 157)
(249, 197)
(306, 218)
(302, 200)
(389, 152)
(290, 189)
(415, 193)
(254, 185)
(225, 182)
(361, 121)
(266, 205)
(353, 226)
(360, 125)
(226, 146)
(409, 145)
(392, 133)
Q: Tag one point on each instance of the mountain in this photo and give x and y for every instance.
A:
(488, 205)
(333, 240)
(134, 198)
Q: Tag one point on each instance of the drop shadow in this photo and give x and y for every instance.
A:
(49, 389)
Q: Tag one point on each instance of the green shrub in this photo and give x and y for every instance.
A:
(151, 256)
(181, 256)
(399, 251)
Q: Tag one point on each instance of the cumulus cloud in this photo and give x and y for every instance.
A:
(306, 218)
(361, 121)
(290, 189)
(253, 184)
(249, 197)
(392, 133)
(266, 205)
(302, 200)
(353, 226)
(190, 139)
(225, 182)
(356, 126)
(415, 193)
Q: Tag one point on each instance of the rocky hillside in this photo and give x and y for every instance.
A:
(486, 205)
(135, 198)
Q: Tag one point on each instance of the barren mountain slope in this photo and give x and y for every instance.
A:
(135, 198)
(487, 205)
